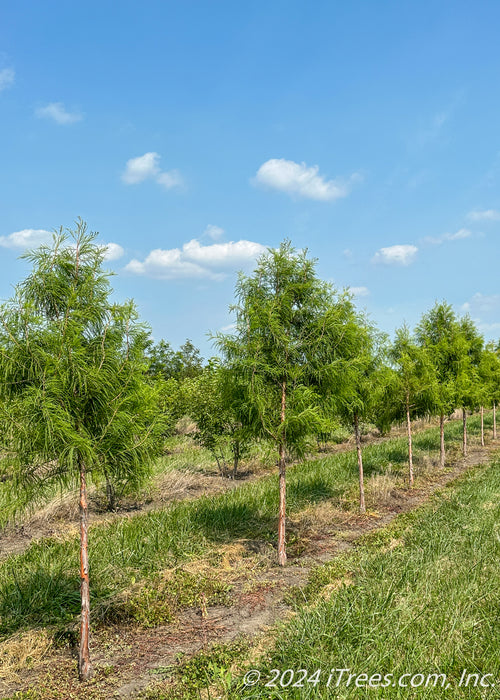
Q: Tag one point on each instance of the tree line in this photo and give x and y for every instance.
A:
(85, 394)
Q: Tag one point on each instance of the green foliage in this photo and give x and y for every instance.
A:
(166, 363)
(279, 348)
(439, 334)
(216, 400)
(414, 381)
(72, 364)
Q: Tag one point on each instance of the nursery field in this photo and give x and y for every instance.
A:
(186, 597)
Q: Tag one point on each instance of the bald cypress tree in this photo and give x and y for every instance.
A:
(284, 315)
(75, 404)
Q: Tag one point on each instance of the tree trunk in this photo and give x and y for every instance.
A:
(236, 457)
(362, 506)
(464, 436)
(482, 426)
(282, 472)
(410, 450)
(494, 421)
(84, 663)
(441, 436)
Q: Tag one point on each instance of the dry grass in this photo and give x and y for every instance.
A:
(21, 651)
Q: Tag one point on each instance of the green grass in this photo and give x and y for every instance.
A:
(41, 586)
(420, 596)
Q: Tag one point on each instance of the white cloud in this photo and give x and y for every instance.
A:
(300, 179)
(142, 168)
(113, 251)
(27, 238)
(484, 215)
(360, 291)
(147, 167)
(457, 236)
(7, 77)
(396, 255)
(196, 260)
(214, 232)
(57, 112)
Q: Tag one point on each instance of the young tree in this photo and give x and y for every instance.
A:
(489, 372)
(350, 346)
(165, 363)
(413, 385)
(72, 382)
(438, 333)
(282, 314)
(216, 401)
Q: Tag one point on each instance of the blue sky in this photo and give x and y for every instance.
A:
(191, 135)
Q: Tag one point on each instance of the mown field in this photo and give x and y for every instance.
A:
(429, 579)
(420, 596)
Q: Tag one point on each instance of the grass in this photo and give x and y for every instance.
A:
(41, 586)
(419, 596)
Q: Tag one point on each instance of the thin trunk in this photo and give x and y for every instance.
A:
(236, 457)
(84, 663)
(410, 450)
(362, 506)
(282, 472)
(464, 436)
(494, 420)
(110, 494)
(482, 426)
(441, 435)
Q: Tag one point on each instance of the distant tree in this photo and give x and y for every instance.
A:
(350, 346)
(216, 401)
(438, 333)
(489, 372)
(190, 359)
(282, 313)
(413, 382)
(468, 384)
(166, 363)
(72, 369)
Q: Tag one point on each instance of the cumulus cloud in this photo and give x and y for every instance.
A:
(58, 113)
(396, 255)
(27, 238)
(484, 215)
(360, 291)
(7, 77)
(113, 251)
(196, 260)
(457, 236)
(147, 167)
(300, 179)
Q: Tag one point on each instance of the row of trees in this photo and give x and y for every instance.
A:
(84, 394)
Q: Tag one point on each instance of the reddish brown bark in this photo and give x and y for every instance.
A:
(482, 426)
(282, 478)
(362, 506)
(464, 434)
(84, 663)
(441, 437)
(494, 421)
(410, 450)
